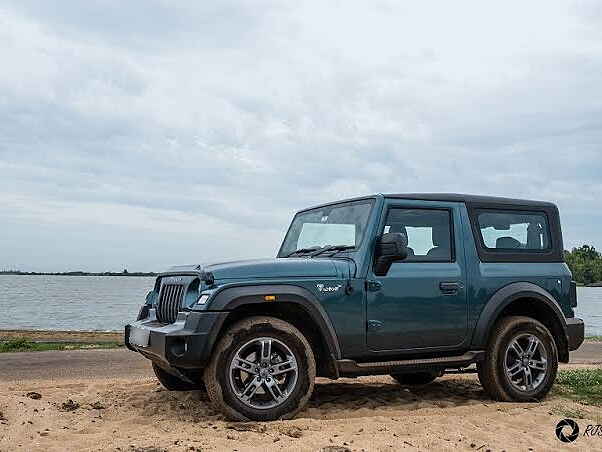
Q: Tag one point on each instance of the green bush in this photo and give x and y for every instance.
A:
(585, 264)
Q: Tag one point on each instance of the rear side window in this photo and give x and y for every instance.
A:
(514, 230)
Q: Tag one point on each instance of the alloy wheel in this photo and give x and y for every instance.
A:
(526, 362)
(263, 373)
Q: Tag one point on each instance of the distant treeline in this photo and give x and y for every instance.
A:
(586, 264)
(77, 273)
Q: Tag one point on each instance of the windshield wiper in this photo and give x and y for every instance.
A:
(331, 248)
(304, 250)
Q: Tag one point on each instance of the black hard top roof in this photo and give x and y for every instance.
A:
(448, 197)
(475, 199)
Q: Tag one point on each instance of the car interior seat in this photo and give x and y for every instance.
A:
(401, 228)
(440, 237)
(507, 243)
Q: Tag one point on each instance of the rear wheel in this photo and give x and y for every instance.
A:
(521, 361)
(174, 383)
(262, 369)
(417, 378)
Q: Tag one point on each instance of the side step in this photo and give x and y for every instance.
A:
(348, 367)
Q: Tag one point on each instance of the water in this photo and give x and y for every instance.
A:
(589, 308)
(107, 303)
(100, 303)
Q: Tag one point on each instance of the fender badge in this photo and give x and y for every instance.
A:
(325, 288)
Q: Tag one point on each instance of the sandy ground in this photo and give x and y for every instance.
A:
(119, 406)
(371, 413)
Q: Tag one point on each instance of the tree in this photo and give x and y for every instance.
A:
(585, 264)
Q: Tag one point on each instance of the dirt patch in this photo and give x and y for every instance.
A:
(69, 405)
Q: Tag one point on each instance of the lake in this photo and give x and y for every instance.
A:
(107, 303)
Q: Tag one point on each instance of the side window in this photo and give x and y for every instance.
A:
(428, 231)
(514, 230)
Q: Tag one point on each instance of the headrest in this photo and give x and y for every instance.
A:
(398, 228)
(507, 243)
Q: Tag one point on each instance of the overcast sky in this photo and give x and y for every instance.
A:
(142, 134)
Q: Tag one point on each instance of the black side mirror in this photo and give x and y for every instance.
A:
(390, 247)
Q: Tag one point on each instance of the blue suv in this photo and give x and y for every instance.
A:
(410, 285)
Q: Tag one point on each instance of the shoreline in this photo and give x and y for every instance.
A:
(125, 275)
(81, 337)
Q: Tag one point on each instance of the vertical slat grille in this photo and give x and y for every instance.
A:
(170, 302)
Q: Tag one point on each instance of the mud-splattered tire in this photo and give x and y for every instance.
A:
(240, 378)
(173, 383)
(417, 378)
(509, 364)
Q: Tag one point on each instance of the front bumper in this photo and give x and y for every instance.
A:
(575, 330)
(185, 344)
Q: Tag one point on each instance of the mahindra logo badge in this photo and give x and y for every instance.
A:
(325, 288)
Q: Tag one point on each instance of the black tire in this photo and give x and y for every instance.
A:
(219, 376)
(173, 383)
(494, 371)
(417, 378)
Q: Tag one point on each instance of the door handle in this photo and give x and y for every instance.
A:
(450, 287)
(373, 286)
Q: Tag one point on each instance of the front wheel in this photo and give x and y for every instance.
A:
(262, 369)
(521, 361)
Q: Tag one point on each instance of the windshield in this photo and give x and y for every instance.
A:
(341, 225)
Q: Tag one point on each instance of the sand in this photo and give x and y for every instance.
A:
(370, 413)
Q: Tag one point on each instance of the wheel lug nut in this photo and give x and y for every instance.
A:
(271, 370)
(268, 379)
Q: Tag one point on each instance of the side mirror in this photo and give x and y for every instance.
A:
(390, 247)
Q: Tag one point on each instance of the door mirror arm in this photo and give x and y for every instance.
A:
(390, 247)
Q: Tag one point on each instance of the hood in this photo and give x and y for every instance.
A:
(267, 268)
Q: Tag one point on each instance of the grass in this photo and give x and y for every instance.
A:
(572, 412)
(22, 344)
(593, 338)
(582, 385)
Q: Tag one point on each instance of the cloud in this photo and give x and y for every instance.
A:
(220, 119)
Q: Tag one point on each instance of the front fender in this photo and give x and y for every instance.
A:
(230, 298)
(502, 298)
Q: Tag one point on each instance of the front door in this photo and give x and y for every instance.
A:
(421, 302)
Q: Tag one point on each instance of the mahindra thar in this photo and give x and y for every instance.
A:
(409, 285)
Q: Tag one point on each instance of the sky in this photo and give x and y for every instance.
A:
(143, 134)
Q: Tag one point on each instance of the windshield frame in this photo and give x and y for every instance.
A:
(366, 200)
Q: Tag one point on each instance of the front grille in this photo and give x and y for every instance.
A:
(170, 301)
